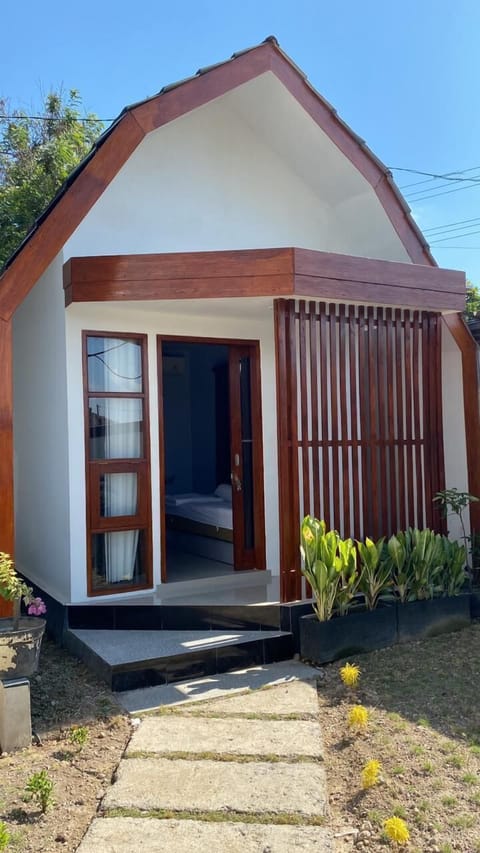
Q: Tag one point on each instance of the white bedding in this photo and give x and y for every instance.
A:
(207, 509)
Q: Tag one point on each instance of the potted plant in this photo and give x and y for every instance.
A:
(330, 565)
(429, 575)
(20, 636)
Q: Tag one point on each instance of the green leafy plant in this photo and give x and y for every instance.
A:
(454, 575)
(78, 736)
(14, 589)
(346, 566)
(454, 502)
(416, 560)
(319, 551)
(375, 572)
(39, 788)
(5, 836)
(399, 548)
(426, 562)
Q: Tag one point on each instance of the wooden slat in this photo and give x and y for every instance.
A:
(353, 352)
(325, 450)
(304, 409)
(334, 414)
(344, 451)
(383, 430)
(364, 421)
(408, 416)
(400, 427)
(390, 376)
(417, 468)
(314, 380)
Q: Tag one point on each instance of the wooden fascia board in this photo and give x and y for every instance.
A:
(190, 275)
(471, 403)
(344, 277)
(366, 163)
(52, 234)
(206, 87)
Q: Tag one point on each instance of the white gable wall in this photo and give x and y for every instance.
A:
(249, 170)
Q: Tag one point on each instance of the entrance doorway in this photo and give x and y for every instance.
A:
(211, 457)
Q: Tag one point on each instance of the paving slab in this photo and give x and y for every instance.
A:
(124, 834)
(215, 686)
(286, 738)
(295, 697)
(252, 787)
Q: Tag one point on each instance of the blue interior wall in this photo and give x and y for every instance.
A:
(190, 417)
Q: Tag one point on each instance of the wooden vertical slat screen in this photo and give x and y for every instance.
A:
(359, 422)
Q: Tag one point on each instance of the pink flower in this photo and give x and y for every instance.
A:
(36, 607)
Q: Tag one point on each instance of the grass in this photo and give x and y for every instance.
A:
(278, 818)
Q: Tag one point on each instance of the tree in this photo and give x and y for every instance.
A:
(472, 306)
(36, 156)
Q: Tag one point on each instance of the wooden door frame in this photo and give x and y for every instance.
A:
(257, 427)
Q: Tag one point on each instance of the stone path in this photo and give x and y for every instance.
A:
(241, 772)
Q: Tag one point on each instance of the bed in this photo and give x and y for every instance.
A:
(202, 524)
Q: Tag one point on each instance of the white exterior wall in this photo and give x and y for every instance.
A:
(255, 322)
(42, 524)
(454, 439)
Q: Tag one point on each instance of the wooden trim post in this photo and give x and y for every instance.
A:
(471, 403)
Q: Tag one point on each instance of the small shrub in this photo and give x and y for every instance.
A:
(78, 736)
(350, 674)
(396, 830)
(371, 773)
(5, 836)
(358, 718)
(40, 789)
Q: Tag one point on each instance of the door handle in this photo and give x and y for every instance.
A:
(236, 482)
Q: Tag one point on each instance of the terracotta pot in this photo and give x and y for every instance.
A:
(20, 648)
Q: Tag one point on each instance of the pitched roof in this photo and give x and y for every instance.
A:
(87, 182)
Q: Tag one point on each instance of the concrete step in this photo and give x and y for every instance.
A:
(194, 695)
(132, 659)
(284, 738)
(122, 835)
(255, 787)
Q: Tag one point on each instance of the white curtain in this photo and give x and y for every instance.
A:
(123, 417)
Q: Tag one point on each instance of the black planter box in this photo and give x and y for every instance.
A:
(343, 636)
(475, 603)
(421, 619)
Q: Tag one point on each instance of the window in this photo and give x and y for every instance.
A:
(117, 455)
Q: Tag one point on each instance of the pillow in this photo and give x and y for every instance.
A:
(224, 491)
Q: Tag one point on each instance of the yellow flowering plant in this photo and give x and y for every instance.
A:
(396, 830)
(350, 674)
(371, 773)
(358, 718)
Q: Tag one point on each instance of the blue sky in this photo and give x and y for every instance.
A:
(405, 75)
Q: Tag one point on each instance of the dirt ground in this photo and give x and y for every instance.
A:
(64, 697)
(424, 728)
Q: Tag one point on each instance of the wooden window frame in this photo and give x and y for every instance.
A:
(94, 468)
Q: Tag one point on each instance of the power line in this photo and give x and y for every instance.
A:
(444, 177)
(477, 248)
(432, 176)
(449, 224)
(53, 118)
(445, 192)
(459, 236)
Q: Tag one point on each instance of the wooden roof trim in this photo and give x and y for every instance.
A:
(98, 170)
(355, 149)
(261, 272)
(66, 215)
